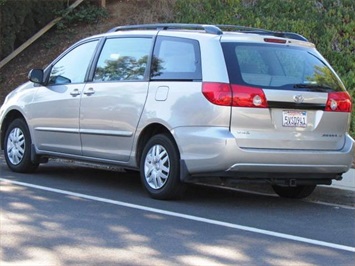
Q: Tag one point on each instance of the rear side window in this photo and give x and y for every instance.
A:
(176, 59)
(279, 66)
(123, 59)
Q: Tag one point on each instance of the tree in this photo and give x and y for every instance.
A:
(20, 19)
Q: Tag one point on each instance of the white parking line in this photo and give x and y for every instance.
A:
(186, 216)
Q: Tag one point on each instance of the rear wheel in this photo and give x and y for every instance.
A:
(18, 148)
(298, 192)
(160, 168)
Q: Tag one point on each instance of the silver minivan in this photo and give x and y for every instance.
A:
(184, 103)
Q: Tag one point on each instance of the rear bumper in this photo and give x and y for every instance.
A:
(214, 151)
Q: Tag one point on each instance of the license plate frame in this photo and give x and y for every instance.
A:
(292, 118)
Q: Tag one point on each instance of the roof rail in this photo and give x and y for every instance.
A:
(213, 29)
(290, 35)
(165, 26)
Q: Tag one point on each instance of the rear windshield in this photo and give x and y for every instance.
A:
(279, 67)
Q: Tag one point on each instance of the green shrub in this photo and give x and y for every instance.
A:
(87, 13)
(20, 19)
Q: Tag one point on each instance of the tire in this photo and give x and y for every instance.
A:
(17, 148)
(160, 168)
(298, 192)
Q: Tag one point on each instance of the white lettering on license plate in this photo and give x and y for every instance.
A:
(294, 118)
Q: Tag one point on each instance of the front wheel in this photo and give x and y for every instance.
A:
(18, 148)
(298, 192)
(160, 168)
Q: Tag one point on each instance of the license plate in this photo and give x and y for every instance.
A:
(294, 118)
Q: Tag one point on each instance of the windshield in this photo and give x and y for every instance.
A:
(279, 67)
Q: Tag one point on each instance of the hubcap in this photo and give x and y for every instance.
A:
(157, 167)
(15, 146)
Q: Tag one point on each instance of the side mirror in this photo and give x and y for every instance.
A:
(36, 76)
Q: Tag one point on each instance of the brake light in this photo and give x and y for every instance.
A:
(245, 96)
(273, 40)
(338, 102)
(234, 95)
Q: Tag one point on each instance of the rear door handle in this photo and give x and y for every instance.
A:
(89, 91)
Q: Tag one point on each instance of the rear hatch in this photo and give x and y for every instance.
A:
(285, 96)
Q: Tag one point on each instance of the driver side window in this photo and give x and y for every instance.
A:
(72, 68)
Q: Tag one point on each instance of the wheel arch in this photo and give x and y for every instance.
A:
(11, 116)
(148, 132)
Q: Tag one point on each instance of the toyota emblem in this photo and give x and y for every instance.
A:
(298, 98)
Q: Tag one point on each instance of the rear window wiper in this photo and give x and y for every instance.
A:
(313, 87)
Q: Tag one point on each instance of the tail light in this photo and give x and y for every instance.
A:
(217, 93)
(234, 95)
(245, 96)
(338, 102)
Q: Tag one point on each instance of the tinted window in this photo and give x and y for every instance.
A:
(176, 59)
(72, 68)
(123, 59)
(278, 66)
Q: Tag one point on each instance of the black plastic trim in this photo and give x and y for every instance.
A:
(300, 106)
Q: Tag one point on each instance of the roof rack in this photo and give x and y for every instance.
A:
(213, 29)
(290, 35)
(165, 26)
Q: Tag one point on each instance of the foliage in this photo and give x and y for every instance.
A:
(84, 14)
(20, 19)
(124, 68)
(327, 23)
